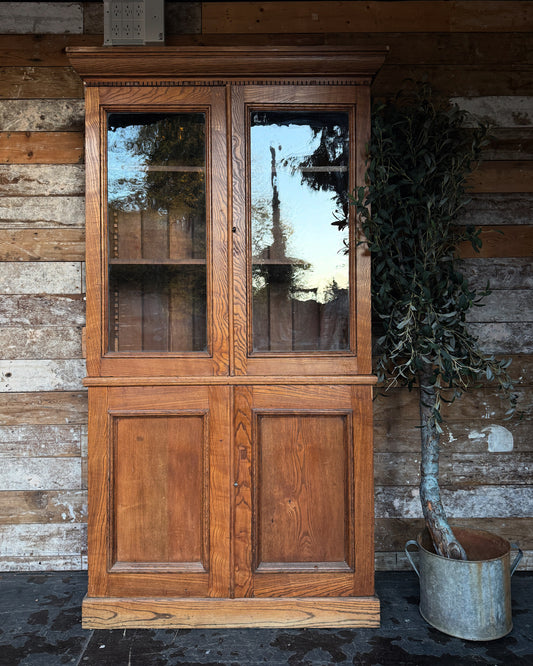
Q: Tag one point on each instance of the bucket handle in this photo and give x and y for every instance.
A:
(517, 558)
(412, 542)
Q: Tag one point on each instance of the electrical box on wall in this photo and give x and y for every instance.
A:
(139, 22)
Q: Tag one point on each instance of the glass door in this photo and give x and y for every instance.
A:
(296, 308)
(162, 262)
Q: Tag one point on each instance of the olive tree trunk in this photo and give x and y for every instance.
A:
(444, 540)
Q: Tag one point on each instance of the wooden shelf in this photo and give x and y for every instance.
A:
(158, 262)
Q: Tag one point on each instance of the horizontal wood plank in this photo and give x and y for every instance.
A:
(392, 533)
(42, 310)
(43, 408)
(322, 612)
(503, 111)
(45, 278)
(466, 470)
(39, 83)
(503, 176)
(41, 375)
(510, 273)
(58, 539)
(474, 436)
(41, 17)
(40, 473)
(494, 209)
(40, 440)
(42, 180)
(513, 240)
(43, 506)
(41, 147)
(407, 16)
(397, 561)
(43, 563)
(510, 501)
(505, 338)
(483, 403)
(43, 342)
(42, 245)
(42, 212)
(510, 144)
(504, 305)
(43, 115)
(457, 81)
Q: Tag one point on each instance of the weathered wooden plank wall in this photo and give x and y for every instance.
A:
(478, 53)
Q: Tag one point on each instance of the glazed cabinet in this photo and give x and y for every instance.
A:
(228, 337)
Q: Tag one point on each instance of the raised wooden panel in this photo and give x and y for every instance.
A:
(302, 491)
(159, 472)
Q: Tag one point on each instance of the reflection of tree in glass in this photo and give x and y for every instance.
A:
(163, 141)
(175, 140)
(325, 169)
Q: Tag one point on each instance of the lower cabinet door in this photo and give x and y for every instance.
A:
(303, 491)
(160, 471)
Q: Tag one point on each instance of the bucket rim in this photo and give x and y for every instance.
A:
(467, 530)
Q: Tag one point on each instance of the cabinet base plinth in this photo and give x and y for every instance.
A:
(146, 613)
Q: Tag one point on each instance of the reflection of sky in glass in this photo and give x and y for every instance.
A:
(306, 215)
(126, 170)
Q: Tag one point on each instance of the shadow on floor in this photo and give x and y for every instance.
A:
(40, 625)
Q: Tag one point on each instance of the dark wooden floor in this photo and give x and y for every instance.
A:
(40, 626)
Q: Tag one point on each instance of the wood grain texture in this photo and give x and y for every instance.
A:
(376, 17)
(498, 242)
(158, 519)
(42, 245)
(41, 147)
(39, 83)
(46, 408)
(516, 176)
(230, 613)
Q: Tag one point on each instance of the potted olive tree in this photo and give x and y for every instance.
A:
(420, 156)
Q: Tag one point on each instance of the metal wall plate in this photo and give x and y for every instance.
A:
(139, 22)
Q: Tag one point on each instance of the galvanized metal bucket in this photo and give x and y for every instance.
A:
(469, 599)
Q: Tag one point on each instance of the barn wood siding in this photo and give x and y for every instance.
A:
(479, 54)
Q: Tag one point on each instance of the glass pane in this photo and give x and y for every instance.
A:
(300, 269)
(157, 232)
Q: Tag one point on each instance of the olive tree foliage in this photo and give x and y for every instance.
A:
(420, 156)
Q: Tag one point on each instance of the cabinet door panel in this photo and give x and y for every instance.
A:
(303, 501)
(303, 506)
(160, 471)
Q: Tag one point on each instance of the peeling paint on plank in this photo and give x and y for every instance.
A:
(60, 375)
(41, 17)
(42, 180)
(43, 506)
(42, 115)
(56, 540)
(46, 342)
(510, 273)
(40, 310)
(40, 440)
(40, 278)
(42, 212)
(40, 473)
(499, 111)
(481, 502)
